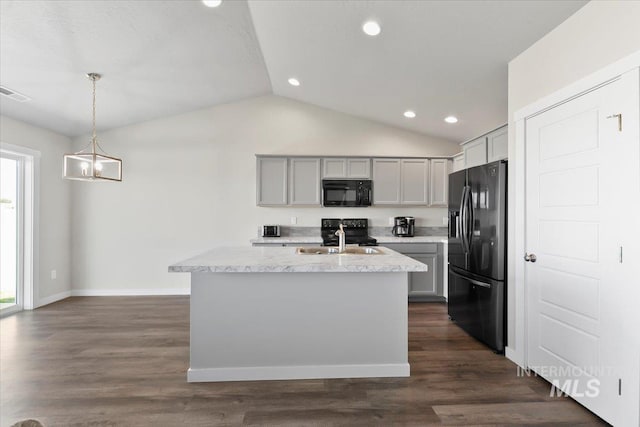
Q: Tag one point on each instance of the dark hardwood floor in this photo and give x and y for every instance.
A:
(107, 361)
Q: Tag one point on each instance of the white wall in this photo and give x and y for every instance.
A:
(55, 204)
(598, 34)
(189, 185)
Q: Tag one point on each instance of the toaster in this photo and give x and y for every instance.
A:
(270, 231)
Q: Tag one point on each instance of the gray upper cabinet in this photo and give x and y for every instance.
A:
(458, 162)
(497, 145)
(304, 181)
(475, 152)
(414, 182)
(386, 181)
(271, 181)
(407, 182)
(439, 182)
(488, 148)
(346, 168)
(334, 168)
(297, 181)
(359, 168)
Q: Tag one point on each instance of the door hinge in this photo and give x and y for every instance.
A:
(619, 386)
(620, 255)
(619, 116)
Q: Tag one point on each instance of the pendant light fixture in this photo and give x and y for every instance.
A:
(92, 163)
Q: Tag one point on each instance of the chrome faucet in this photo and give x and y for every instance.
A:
(341, 239)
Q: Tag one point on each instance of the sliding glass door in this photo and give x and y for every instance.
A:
(11, 235)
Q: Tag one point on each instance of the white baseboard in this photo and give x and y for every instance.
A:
(128, 292)
(52, 298)
(253, 373)
(514, 356)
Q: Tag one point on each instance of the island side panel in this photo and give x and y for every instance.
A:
(251, 326)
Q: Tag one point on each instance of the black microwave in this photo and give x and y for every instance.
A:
(346, 192)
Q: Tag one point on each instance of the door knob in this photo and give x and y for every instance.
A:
(530, 257)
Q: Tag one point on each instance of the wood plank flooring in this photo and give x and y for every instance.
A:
(122, 361)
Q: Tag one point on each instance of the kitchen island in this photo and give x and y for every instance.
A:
(264, 313)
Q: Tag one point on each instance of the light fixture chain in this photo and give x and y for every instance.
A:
(93, 79)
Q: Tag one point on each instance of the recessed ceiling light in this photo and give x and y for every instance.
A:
(371, 28)
(409, 114)
(212, 3)
(294, 82)
(451, 119)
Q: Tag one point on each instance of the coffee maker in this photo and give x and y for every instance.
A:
(404, 226)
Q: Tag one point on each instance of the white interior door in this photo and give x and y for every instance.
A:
(582, 191)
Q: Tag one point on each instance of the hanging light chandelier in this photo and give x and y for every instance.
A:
(92, 163)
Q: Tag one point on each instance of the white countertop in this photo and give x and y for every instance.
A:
(285, 260)
(381, 239)
(292, 239)
(416, 239)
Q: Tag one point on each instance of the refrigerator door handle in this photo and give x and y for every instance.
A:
(470, 218)
(473, 281)
(463, 219)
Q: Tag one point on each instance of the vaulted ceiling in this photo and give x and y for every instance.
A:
(160, 58)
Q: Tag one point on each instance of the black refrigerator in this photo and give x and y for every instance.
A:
(477, 252)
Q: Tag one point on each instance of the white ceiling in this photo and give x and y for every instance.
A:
(437, 58)
(160, 58)
(157, 58)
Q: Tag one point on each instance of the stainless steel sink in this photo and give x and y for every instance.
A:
(323, 250)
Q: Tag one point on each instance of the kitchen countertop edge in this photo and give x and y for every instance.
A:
(381, 239)
(285, 260)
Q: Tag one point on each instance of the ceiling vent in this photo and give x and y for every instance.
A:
(5, 91)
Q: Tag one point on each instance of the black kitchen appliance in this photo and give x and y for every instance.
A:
(270, 231)
(477, 252)
(346, 192)
(356, 231)
(403, 226)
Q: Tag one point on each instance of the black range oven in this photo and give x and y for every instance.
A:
(346, 192)
(356, 231)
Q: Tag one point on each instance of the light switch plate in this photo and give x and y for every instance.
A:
(391, 220)
(54, 274)
(294, 220)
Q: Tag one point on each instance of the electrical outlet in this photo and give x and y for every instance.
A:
(54, 275)
(294, 220)
(391, 220)
(445, 220)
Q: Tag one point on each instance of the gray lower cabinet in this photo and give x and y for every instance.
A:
(424, 286)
